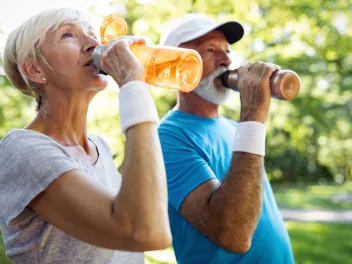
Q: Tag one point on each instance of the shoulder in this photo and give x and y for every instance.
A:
(171, 130)
(229, 121)
(21, 141)
(22, 135)
(26, 151)
(180, 135)
(175, 122)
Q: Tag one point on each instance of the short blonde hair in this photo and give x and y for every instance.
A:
(25, 41)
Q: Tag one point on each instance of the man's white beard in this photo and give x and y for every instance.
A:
(207, 90)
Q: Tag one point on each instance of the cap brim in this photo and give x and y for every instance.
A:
(232, 30)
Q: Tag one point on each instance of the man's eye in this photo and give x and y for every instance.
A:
(66, 35)
(210, 50)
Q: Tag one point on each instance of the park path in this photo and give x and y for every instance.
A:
(288, 214)
(317, 215)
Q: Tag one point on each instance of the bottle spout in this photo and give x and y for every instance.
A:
(97, 58)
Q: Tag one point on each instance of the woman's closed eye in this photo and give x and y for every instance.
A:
(67, 35)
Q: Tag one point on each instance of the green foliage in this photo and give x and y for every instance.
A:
(311, 243)
(308, 138)
(15, 109)
(320, 243)
(3, 258)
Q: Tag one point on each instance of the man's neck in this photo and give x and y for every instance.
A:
(193, 104)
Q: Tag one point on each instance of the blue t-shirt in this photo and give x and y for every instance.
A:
(198, 149)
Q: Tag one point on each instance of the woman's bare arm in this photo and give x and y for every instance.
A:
(135, 219)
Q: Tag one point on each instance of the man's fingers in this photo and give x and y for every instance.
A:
(269, 69)
(244, 69)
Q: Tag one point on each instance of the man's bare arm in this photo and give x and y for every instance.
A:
(228, 212)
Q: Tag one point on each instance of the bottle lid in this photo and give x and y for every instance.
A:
(113, 26)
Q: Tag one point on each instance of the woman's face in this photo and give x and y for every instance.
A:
(69, 52)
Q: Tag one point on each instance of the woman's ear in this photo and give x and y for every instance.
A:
(33, 71)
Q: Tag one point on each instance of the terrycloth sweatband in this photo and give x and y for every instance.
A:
(136, 105)
(250, 137)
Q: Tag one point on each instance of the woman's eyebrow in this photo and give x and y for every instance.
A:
(86, 26)
(63, 25)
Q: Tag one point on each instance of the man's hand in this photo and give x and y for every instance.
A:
(254, 87)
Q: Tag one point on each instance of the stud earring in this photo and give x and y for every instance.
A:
(44, 79)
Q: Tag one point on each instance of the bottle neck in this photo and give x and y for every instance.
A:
(229, 79)
(225, 79)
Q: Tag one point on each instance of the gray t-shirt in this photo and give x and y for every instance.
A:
(29, 162)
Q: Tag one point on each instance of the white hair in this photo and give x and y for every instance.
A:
(206, 89)
(25, 41)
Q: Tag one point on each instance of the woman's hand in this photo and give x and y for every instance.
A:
(120, 63)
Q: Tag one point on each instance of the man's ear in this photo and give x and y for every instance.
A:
(33, 71)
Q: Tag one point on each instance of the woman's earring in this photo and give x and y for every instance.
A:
(44, 79)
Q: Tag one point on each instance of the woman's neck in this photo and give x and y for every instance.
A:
(64, 118)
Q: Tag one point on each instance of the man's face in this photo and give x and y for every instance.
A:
(214, 50)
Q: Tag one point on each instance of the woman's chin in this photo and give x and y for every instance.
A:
(96, 85)
(100, 80)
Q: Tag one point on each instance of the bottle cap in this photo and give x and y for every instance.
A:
(113, 26)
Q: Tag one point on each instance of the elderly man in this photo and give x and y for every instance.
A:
(221, 205)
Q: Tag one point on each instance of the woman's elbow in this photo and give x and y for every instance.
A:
(154, 238)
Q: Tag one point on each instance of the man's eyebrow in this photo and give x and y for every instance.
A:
(208, 42)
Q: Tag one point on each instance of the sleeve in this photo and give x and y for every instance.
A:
(186, 169)
(28, 164)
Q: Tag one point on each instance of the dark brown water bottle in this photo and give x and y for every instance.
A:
(284, 84)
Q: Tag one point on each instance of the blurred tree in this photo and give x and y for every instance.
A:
(309, 138)
(15, 109)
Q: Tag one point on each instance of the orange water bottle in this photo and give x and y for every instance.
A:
(167, 67)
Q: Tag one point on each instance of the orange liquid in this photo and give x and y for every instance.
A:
(168, 67)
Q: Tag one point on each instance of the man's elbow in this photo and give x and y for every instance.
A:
(234, 243)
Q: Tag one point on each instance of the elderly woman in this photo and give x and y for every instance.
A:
(61, 197)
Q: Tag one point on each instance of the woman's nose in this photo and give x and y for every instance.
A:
(91, 43)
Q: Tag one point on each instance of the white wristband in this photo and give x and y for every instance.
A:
(136, 105)
(250, 137)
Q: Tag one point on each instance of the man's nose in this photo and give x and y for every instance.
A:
(223, 59)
